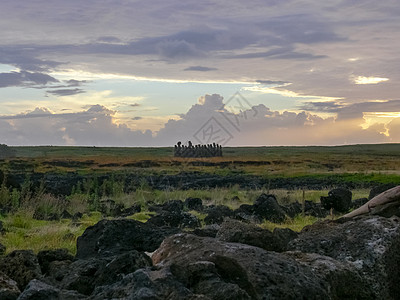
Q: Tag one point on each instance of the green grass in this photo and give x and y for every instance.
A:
(295, 224)
(142, 216)
(24, 232)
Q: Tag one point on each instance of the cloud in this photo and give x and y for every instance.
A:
(66, 92)
(369, 80)
(25, 79)
(273, 82)
(279, 53)
(200, 69)
(210, 120)
(352, 111)
(94, 126)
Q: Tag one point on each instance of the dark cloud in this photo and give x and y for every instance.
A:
(352, 111)
(134, 104)
(279, 53)
(301, 28)
(272, 82)
(25, 79)
(137, 118)
(109, 39)
(200, 69)
(66, 92)
(328, 106)
(25, 57)
(74, 82)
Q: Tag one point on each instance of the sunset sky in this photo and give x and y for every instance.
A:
(151, 73)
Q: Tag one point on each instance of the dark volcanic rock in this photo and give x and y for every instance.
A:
(293, 209)
(216, 214)
(21, 266)
(2, 249)
(376, 190)
(38, 290)
(284, 236)
(8, 288)
(109, 207)
(339, 199)
(175, 219)
(145, 284)
(220, 270)
(131, 210)
(239, 232)
(246, 213)
(111, 237)
(268, 208)
(194, 204)
(344, 280)
(45, 257)
(358, 202)
(369, 243)
(207, 231)
(315, 209)
(85, 274)
(1, 227)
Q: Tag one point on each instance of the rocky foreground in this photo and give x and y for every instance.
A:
(352, 258)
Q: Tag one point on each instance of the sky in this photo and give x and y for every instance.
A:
(239, 73)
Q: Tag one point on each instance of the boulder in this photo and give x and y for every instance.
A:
(268, 208)
(343, 279)
(207, 231)
(339, 199)
(2, 249)
(293, 209)
(145, 284)
(109, 207)
(283, 236)
(112, 237)
(216, 214)
(175, 219)
(205, 265)
(173, 206)
(238, 232)
(356, 203)
(85, 274)
(45, 257)
(194, 204)
(246, 213)
(38, 290)
(2, 230)
(8, 288)
(376, 190)
(315, 209)
(21, 266)
(369, 243)
(131, 210)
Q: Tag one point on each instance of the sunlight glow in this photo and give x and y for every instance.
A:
(286, 93)
(83, 75)
(369, 80)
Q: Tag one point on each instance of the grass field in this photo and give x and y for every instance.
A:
(383, 159)
(358, 165)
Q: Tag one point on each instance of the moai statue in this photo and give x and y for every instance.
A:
(178, 149)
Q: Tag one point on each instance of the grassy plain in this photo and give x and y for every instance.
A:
(360, 165)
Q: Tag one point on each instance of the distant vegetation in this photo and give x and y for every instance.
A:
(6, 152)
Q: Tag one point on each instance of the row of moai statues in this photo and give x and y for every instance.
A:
(209, 150)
